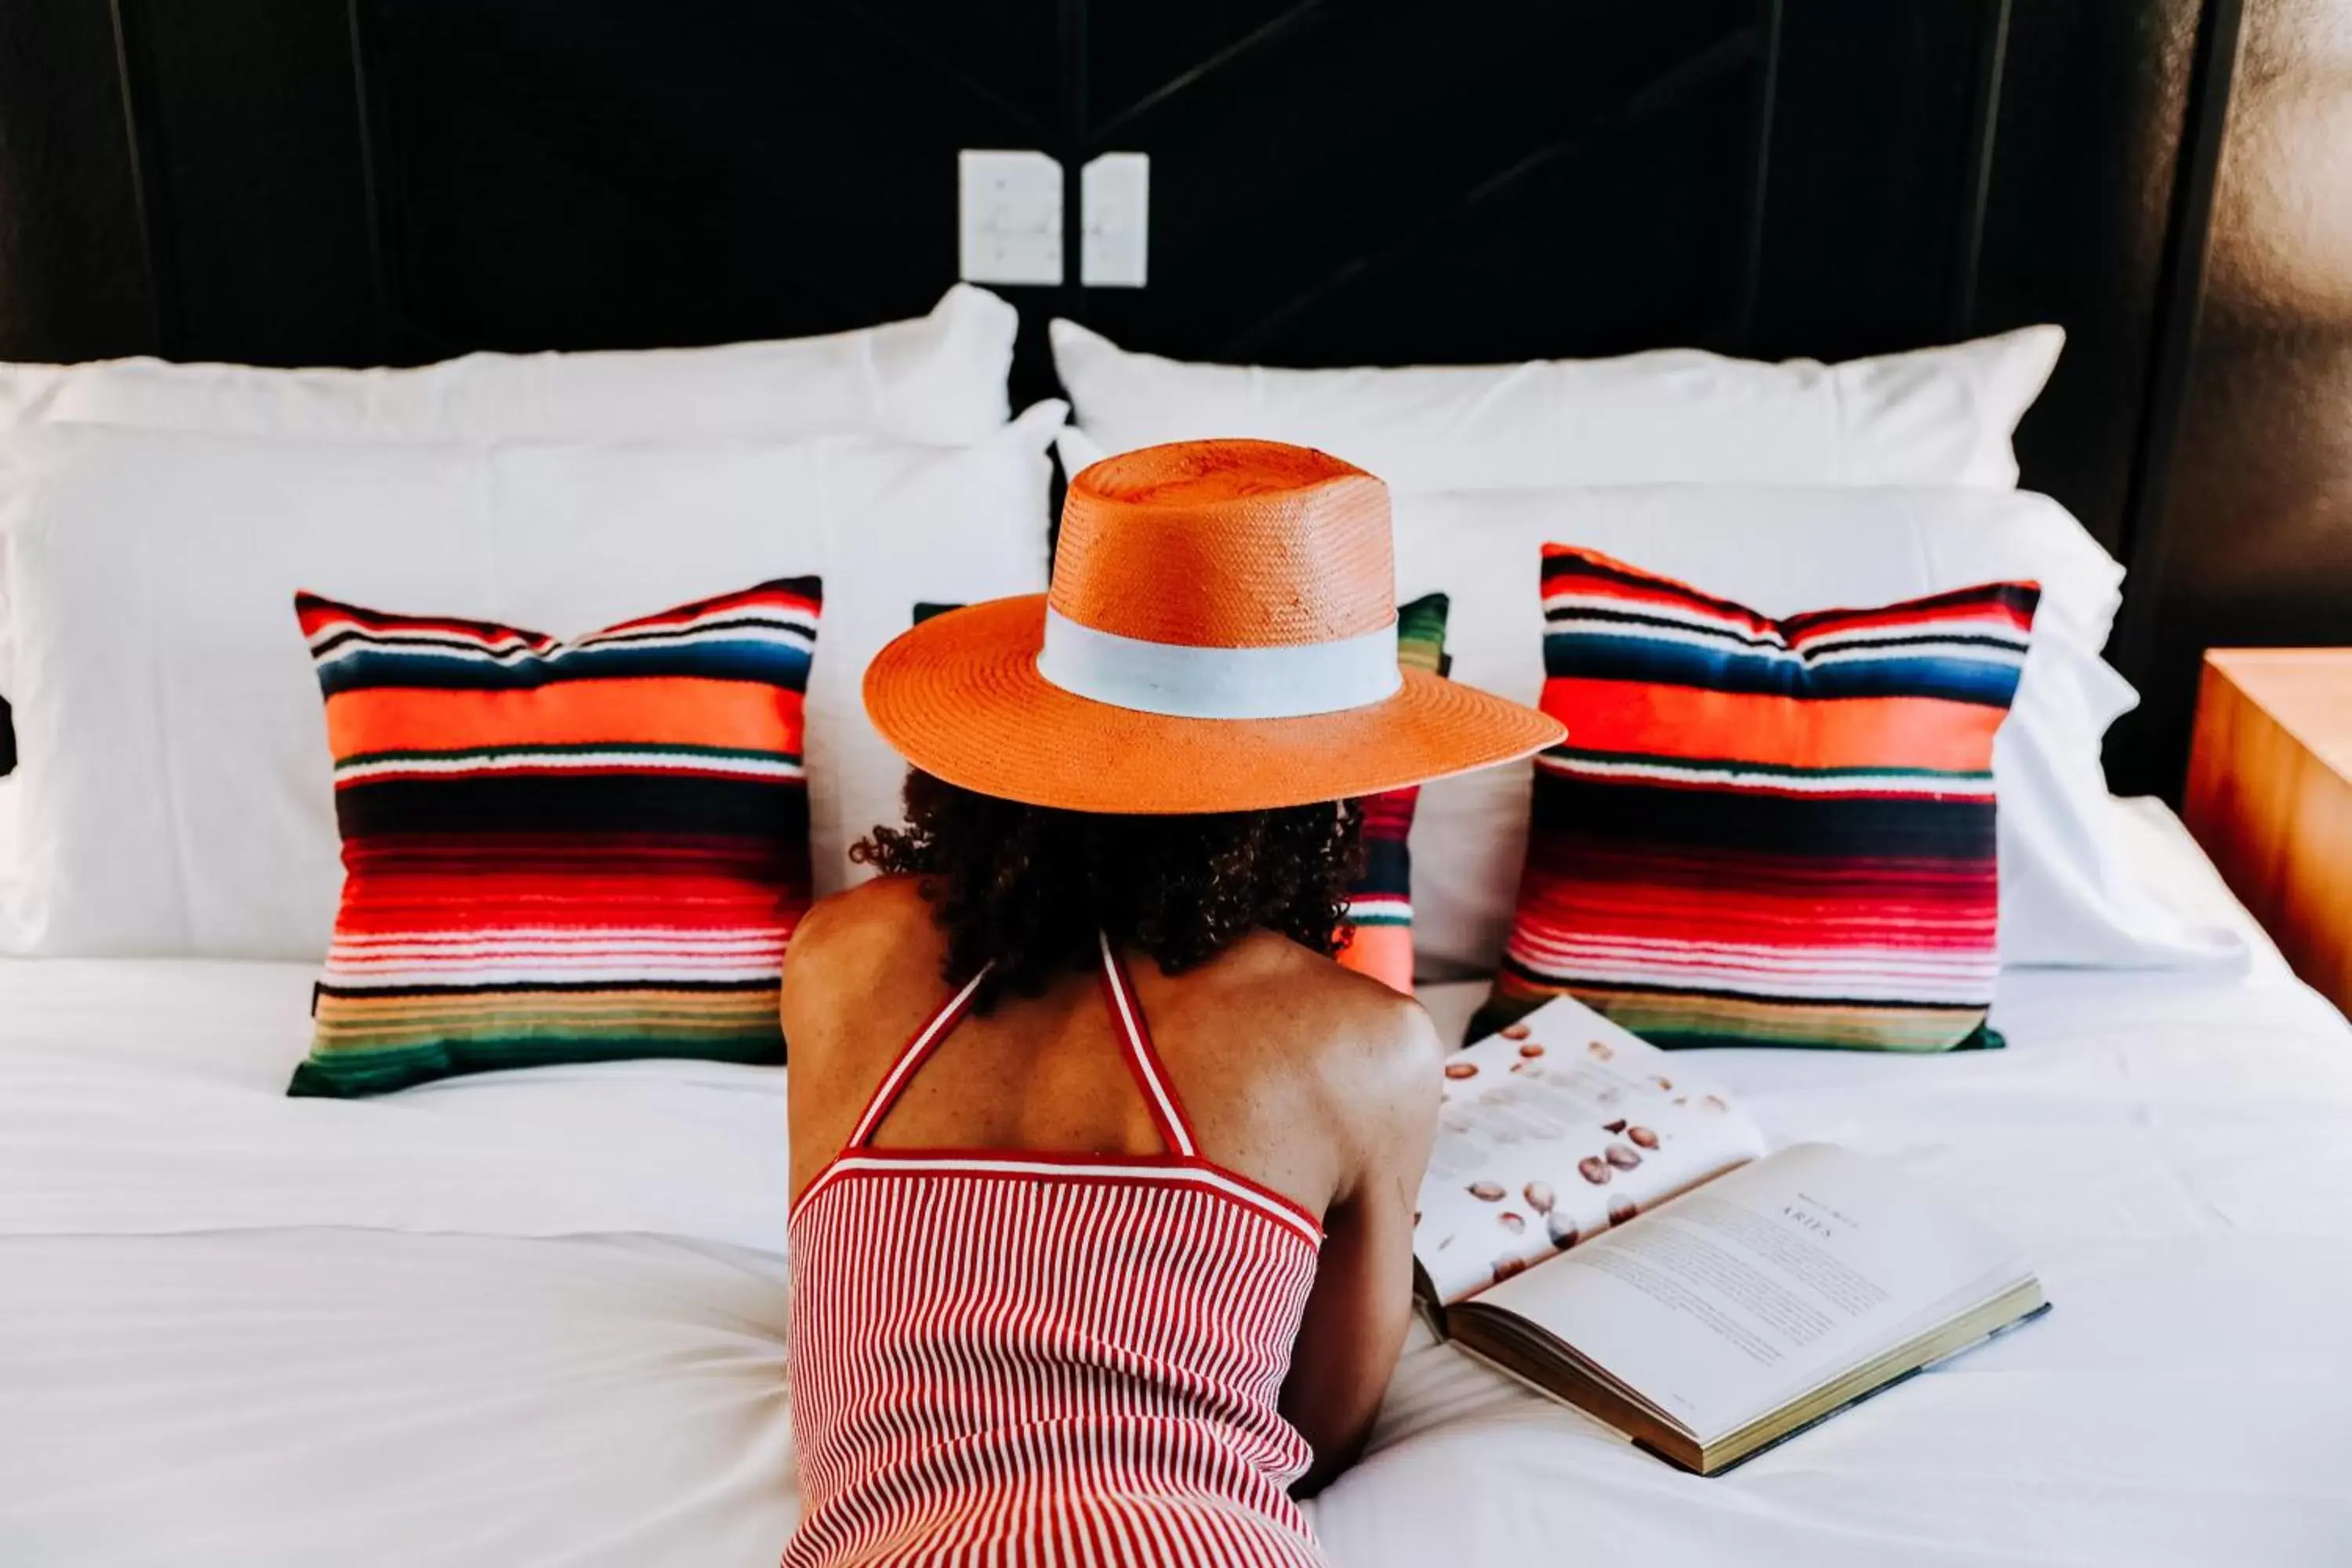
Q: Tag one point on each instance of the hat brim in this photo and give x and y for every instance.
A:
(959, 696)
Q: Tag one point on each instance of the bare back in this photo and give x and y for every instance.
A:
(1298, 1074)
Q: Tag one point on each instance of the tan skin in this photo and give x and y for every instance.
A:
(1302, 1076)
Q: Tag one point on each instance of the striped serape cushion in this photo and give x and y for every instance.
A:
(1760, 832)
(1380, 905)
(561, 852)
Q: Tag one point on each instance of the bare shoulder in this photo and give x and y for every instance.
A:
(870, 921)
(1360, 1014)
(876, 941)
(1371, 1052)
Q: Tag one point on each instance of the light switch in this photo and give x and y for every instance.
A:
(1011, 206)
(1114, 191)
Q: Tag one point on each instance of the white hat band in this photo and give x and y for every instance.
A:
(1182, 682)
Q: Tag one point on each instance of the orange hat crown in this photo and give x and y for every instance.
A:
(1226, 544)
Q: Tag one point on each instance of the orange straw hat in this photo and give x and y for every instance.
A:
(1221, 637)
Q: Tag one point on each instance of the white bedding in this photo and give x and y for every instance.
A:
(538, 1318)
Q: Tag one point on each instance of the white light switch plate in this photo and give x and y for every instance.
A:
(1115, 193)
(1011, 206)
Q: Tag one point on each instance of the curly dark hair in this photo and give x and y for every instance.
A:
(1025, 887)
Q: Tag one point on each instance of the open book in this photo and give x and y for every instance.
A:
(1603, 1224)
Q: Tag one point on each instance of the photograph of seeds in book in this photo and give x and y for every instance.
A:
(1603, 1225)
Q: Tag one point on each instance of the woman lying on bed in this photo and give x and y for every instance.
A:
(1103, 1170)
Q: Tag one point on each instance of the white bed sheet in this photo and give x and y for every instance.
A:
(268, 1398)
(148, 1097)
(2175, 1153)
(538, 1318)
(524, 1319)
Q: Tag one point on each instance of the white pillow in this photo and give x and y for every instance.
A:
(1934, 416)
(2067, 892)
(939, 379)
(175, 779)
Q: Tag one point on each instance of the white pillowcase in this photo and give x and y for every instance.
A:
(1934, 416)
(939, 379)
(177, 794)
(2067, 893)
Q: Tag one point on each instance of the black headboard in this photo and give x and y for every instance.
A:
(1331, 183)
(390, 181)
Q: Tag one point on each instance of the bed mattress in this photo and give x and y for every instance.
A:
(539, 1319)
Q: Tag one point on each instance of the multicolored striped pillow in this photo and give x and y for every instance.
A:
(1381, 903)
(561, 852)
(1760, 832)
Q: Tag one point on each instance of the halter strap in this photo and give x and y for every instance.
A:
(912, 1056)
(1127, 1016)
(1150, 1075)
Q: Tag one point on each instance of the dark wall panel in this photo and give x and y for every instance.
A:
(2255, 543)
(1371, 188)
(557, 174)
(73, 264)
(554, 175)
(2094, 92)
(1873, 198)
(254, 187)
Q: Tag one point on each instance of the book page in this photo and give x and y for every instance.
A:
(1553, 1131)
(1732, 1299)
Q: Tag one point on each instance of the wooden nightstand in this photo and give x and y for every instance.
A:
(2270, 798)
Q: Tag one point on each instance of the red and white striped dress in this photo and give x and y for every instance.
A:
(1008, 1357)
